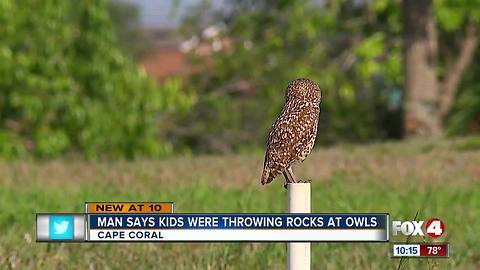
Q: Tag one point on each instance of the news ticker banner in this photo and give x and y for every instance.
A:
(421, 250)
(238, 227)
(156, 222)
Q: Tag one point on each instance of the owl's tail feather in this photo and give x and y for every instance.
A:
(265, 176)
(268, 175)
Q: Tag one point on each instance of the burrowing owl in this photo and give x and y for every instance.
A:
(293, 134)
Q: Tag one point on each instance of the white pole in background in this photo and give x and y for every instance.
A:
(298, 202)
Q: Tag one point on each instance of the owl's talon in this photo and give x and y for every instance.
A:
(305, 181)
(285, 185)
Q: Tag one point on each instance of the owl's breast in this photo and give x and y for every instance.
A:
(309, 123)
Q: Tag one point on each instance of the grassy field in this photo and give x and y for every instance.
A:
(440, 179)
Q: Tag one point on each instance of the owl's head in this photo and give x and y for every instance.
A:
(304, 90)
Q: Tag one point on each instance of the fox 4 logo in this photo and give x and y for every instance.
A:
(434, 227)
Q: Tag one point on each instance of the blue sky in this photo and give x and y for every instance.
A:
(158, 13)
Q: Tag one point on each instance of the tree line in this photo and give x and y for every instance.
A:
(388, 70)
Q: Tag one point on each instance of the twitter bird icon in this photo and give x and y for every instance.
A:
(61, 227)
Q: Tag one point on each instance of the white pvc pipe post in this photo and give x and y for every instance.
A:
(298, 202)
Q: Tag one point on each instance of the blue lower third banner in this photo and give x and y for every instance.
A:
(238, 227)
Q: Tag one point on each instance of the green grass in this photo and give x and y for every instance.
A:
(397, 178)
